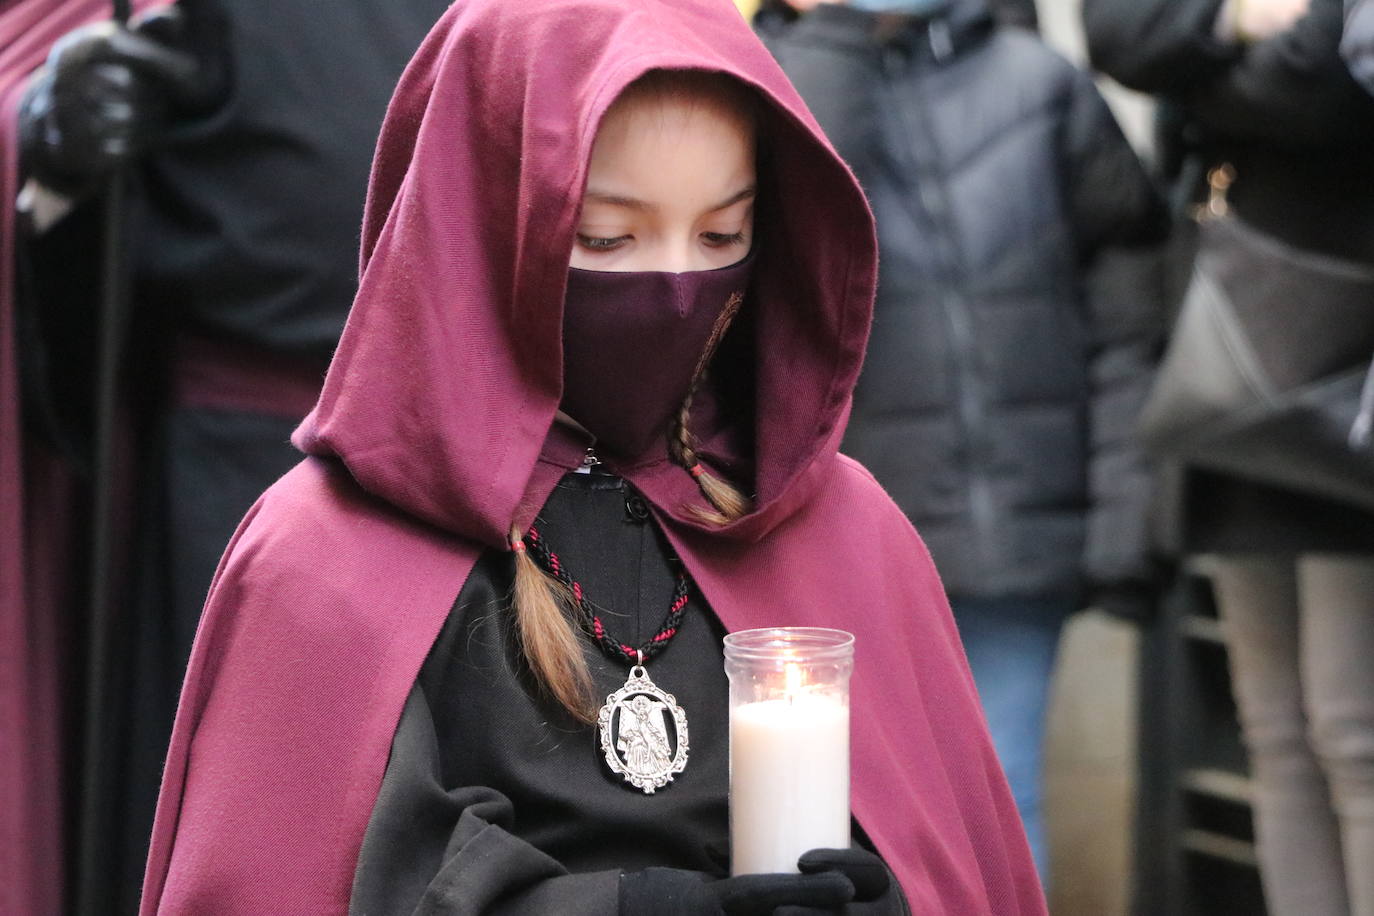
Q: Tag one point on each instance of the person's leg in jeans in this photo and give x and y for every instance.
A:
(1011, 645)
(1337, 596)
(1298, 841)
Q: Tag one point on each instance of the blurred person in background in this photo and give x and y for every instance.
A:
(246, 132)
(1259, 87)
(998, 395)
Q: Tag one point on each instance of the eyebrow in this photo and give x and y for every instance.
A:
(634, 203)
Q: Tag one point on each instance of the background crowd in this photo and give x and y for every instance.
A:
(1079, 375)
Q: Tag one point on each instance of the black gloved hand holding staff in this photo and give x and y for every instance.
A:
(108, 95)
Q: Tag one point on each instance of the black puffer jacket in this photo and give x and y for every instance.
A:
(996, 405)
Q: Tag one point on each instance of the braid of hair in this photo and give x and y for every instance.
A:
(727, 503)
(548, 639)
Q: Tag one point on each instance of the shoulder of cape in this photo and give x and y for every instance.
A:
(317, 527)
(320, 616)
(860, 497)
(849, 522)
(867, 530)
(319, 492)
(319, 561)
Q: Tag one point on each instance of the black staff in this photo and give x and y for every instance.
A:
(112, 319)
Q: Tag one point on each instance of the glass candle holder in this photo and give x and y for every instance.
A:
(789, 744)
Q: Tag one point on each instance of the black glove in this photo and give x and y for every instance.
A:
(876, 891)
(676, 892)
(106, 96)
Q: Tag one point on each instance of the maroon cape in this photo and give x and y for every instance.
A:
(435, 433)
(33, 497)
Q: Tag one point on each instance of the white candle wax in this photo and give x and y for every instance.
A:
(789, 781)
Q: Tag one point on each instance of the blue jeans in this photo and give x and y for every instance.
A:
(1011, 645)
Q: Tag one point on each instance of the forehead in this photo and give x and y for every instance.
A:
(671, 143)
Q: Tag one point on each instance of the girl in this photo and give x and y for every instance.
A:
(583, 421)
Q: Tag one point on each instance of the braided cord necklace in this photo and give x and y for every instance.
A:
(635, 742)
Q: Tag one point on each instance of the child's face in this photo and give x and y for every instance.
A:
(670, 187)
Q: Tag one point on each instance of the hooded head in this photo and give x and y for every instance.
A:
(666, 222)
(446, 384)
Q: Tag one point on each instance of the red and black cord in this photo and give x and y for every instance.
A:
(549, 562)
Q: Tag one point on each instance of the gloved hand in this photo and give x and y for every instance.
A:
(108, 94)
(677, 892)
(876, 891)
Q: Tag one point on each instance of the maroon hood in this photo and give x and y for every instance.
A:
(445, 384)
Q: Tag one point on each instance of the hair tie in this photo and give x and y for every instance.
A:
(696, 470)
(518, 546)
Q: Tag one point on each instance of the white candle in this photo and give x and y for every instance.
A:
(789, 779)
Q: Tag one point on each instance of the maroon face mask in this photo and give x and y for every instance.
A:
(631, 342)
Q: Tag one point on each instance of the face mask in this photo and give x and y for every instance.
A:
(631, 343)
(910, 7)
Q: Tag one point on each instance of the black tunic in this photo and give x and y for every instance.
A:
(495, 800)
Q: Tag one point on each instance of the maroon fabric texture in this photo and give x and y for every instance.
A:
(618, 387)
(34, 527)
(435, 434)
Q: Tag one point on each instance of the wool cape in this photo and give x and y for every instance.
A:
(435, 433)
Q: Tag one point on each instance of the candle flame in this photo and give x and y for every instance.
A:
(792, 675)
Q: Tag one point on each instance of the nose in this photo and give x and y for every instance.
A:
(681, 254)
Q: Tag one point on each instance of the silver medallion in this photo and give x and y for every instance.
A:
(634, 733)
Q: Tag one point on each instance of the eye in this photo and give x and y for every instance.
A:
(598, 243)
(723, 240)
